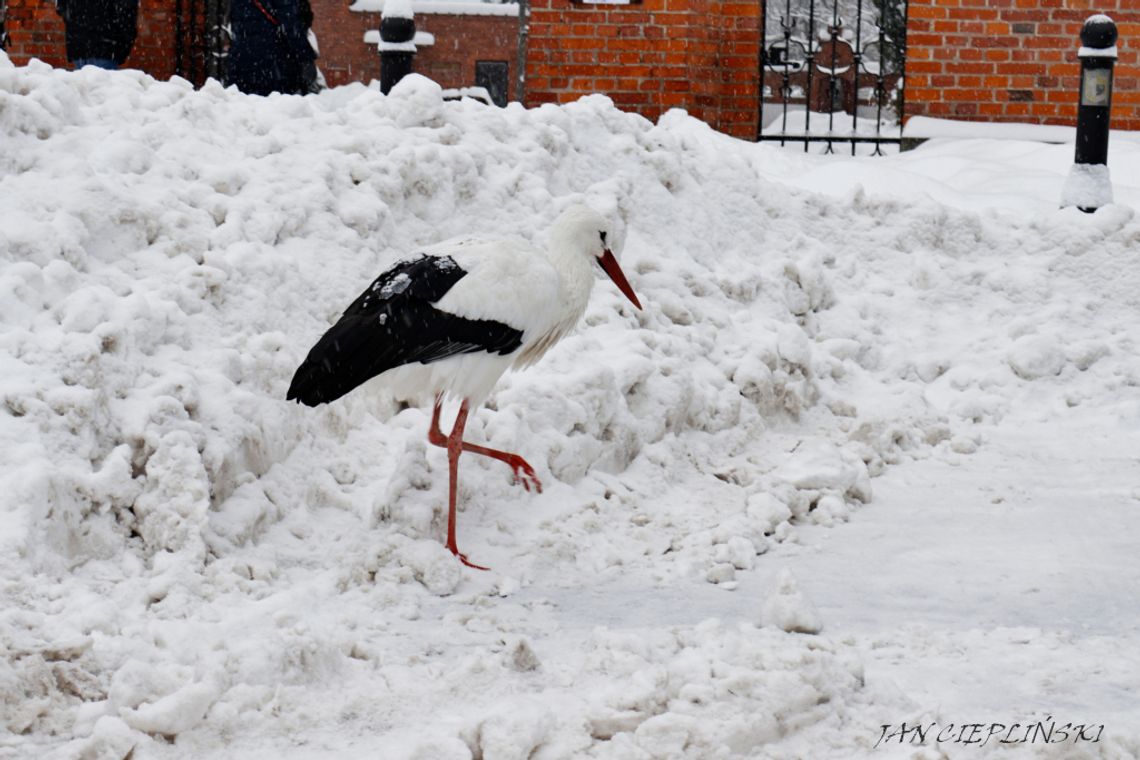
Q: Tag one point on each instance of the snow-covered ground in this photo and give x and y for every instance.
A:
(868, 456)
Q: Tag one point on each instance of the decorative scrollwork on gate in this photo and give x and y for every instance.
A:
(818, 69)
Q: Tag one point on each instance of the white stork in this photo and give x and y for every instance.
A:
(452, 319)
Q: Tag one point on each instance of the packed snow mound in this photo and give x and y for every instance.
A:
(160, 302)
(187, 556)
(788, 609)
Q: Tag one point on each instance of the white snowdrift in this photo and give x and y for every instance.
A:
(188, 558)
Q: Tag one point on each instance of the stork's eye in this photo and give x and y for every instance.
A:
(602, 233)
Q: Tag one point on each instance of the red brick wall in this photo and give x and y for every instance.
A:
(993, 60)
(153, 50)
(340, 33)
(36, 31)
(1013, 60)
(701, 55)
(460, 40)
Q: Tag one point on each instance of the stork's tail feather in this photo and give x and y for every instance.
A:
(307, 386)
(346, 356)
(314, 385)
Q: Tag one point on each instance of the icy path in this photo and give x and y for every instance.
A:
(1001, 588)
(1031, 531)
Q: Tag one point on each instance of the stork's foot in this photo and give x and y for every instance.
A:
(523, 473)
(463, 558)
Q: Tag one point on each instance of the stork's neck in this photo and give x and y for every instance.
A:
(575, 275)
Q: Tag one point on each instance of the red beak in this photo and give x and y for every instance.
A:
(609, 263)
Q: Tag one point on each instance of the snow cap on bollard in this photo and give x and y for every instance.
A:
(1089, 185)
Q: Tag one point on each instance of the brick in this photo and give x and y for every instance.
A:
(970, 68)
(921, 93)
(925, 40)
(1023, 68)
(581, 43)
(927, 11)
(741, 9)
(974, 96)
(623, 43)
(924, 67)
(1024, 16)
(1053, 43)
(973, 14)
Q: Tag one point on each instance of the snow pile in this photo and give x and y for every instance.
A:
(1088, 186)
(160, 305)
(788, 609)
(189, 558)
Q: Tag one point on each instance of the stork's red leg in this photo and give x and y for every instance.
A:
(454, 449)
(524, 473)
(435, 435)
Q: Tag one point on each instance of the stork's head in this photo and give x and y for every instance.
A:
(583, 230)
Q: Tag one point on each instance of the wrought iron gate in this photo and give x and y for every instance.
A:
(832, 72)
(200, 39)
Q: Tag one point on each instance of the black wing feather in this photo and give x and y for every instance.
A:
(393, 323)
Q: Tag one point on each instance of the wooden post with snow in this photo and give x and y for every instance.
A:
(1089, 186)
(397, 46)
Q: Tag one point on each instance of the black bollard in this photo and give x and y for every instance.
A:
(397, 30)
(1089, 186)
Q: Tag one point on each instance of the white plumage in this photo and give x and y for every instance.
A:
(508, 281)
(452, 319)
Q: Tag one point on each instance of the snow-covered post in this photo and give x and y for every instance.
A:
(1089, 186)
(397, 49)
